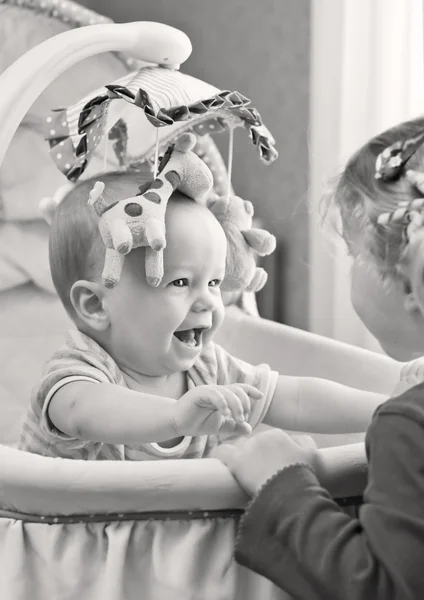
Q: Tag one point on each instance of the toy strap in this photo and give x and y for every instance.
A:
(230, 162)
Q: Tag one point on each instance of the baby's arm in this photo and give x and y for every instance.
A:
(320, 406)
(108, 413)
(112, 414)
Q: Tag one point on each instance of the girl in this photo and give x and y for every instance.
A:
(293, 532)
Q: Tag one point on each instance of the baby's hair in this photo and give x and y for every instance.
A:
(361, 198)
(76, 249)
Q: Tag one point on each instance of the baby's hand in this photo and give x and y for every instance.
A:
(212, 409)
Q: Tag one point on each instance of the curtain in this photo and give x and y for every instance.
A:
(366, 75)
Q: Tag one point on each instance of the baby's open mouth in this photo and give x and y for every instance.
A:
(190, 337)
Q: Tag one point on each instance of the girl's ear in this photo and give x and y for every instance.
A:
(410, 303)
(87, 299)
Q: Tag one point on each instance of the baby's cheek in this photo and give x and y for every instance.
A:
(218, 316)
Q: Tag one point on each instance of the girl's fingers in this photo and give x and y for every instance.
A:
(232, 401)
(250, 390)
(228, 429)
(244, 429)
(416, 178)
(413, 372)
(235, 404)
(244, 400)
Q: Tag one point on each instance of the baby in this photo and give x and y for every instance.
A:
(140, 377)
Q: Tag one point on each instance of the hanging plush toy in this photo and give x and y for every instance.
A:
(137, 117)
(140, 220)
(243, 240)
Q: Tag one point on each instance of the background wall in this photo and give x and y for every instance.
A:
(261, 50)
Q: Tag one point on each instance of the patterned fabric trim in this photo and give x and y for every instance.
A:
(131, 516)
(188, 515)
(217, 113)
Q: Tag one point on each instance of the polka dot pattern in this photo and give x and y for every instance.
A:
(173, 178)
(133, 209)
(187, 515)
(152, 197)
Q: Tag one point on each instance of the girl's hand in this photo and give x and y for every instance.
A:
(412, 373)
(254, 460)
(213, 409)
(416, 178)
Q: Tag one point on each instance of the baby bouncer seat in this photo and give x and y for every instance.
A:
(152, 530)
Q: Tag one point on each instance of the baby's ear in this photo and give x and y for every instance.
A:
(411, 303)
(87, 299)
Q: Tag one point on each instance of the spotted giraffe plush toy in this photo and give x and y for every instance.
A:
(243, 240)
(140, 220)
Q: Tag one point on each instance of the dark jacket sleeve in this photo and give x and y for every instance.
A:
(294, 534)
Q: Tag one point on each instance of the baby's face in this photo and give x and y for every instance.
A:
(159, 331)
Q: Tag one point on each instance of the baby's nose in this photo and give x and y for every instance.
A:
(205, 301)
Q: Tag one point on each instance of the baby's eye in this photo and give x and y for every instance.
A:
(348, 251)
(215, 283)
(182, 282)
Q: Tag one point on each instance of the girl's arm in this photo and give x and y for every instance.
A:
(292, 351)
(320, 406)
(294, 534)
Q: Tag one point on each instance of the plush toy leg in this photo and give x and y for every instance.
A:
(260, 240)
(96, 198)
(154, 266)
(122, 239)
(114, 261)
(155, 234)
(259, 279)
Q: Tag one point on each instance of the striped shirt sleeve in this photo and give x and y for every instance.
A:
(76, 361)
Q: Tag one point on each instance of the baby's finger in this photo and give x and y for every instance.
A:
(218, 400)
